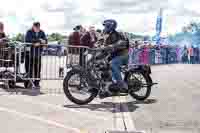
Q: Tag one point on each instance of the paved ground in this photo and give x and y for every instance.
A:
(173, 107)
(174, 103)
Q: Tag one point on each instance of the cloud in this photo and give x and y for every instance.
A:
(71, 14)
(187, 12)
(137, 16)
(133, 6)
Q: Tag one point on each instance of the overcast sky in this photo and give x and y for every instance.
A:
(137, 16)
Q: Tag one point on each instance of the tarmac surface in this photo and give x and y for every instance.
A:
(173, 107)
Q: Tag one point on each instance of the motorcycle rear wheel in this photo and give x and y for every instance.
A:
(135, 85)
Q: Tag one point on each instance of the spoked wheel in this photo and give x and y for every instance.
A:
(9, 83)
(139, 85)
(6, 85)
(76, 87)
(27, 84)
(12, 84)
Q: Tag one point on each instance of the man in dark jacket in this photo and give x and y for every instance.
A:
(33, 57)
(119, 55)
(74, 38)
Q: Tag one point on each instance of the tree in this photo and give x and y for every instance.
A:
(19, 37)
(55, 37)
(193, 29)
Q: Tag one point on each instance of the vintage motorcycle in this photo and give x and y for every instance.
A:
(82, 84)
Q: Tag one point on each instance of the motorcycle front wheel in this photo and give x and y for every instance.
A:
(139, 85)
(76, 87)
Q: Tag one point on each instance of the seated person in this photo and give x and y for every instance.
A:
(119, 55)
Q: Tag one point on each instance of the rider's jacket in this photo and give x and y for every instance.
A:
(113, 39)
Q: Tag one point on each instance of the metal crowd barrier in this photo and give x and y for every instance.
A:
(77, 55)
(28, 63)
(7, 62)
(46, 62)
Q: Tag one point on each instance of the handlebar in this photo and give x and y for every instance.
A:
(108, 47)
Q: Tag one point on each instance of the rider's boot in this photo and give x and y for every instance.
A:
(105, 94)
(119, 87)
(114, 90)
(123, 87)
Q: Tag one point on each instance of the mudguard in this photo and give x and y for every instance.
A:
(74, 67)
(146, 69)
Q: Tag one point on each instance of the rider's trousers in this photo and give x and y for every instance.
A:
(116, 63)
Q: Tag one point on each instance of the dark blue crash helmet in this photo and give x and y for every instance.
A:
(110, 25)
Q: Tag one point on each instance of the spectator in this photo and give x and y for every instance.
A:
(74, 37)
(3, 55)
(197, 55)
(2, 33)
(178, 53)
(167, 55)
(185, 55)
(190, 55)
(89, 38)
(74, 40)
(33, 58)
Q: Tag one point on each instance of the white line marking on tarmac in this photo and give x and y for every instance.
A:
(28, 116)
(60, 108)
(118, 124)
(127, 117)
(125, 122)
(129, 121)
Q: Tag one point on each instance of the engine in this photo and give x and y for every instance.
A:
(106, 75)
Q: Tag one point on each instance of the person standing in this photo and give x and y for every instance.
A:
(2, 33)
(74, 37)
(88, 39)
(74, 40)
(185, 55)
(190, 55)
(3, 54)
(198, 55)
(37, 37)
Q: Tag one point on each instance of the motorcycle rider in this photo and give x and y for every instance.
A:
(119, 56)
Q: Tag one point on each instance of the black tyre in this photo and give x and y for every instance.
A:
(12, 84)
(27, 84)
(81, 88)
(138, 82)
